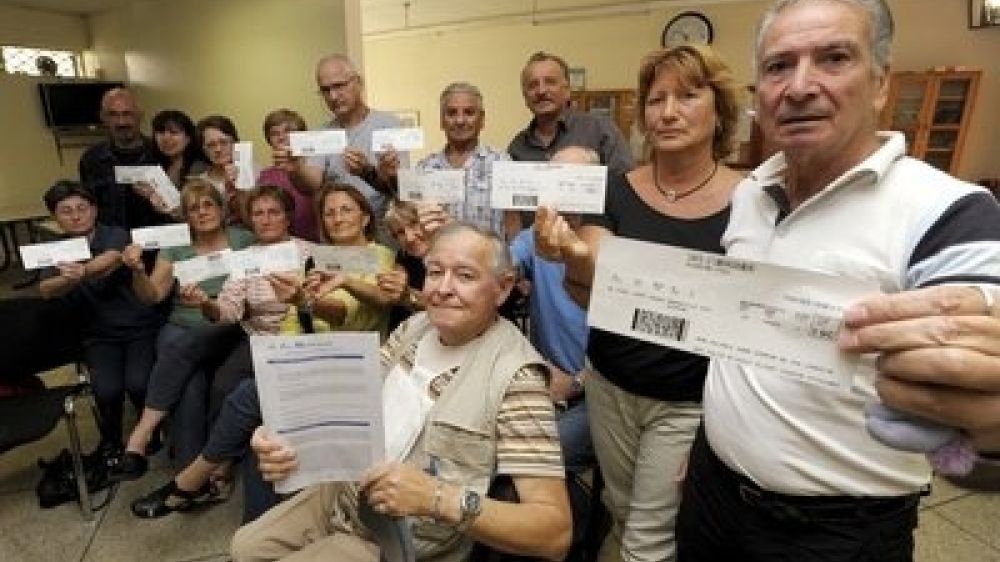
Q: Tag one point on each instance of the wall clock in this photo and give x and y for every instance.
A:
(687, 28)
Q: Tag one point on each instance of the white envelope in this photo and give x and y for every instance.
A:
(261, 260)
(166, 236)
(48, 254)
(345, 259)
(568, 188)
(432, 186)
(311, 143)
(155, 176)
(198, 269)
(403, 139)
(243, 160)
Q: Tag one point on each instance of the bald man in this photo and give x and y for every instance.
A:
(120, 204)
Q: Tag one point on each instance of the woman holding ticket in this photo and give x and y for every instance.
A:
(121, 332)
(645, 399)
(251, 299)
(278, 125)
(188, 341)
(218, 135)
(342, 288)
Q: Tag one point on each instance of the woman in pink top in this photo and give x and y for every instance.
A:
(277, 126)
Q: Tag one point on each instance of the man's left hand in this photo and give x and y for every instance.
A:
(399, 489)
(940, 355)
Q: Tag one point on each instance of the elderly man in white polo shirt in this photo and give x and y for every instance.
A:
(783, 469)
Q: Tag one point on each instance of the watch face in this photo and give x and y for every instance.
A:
(687, 28)
(471, 502)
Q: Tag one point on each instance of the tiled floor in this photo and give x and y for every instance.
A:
(956, 525)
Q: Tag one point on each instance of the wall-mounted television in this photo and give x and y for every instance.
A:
(73, 104)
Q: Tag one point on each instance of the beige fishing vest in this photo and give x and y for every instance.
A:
(460, 432)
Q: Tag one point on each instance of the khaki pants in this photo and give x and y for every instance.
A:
(310, 527)
(642, 447)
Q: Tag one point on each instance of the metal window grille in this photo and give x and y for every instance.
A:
(24, 60)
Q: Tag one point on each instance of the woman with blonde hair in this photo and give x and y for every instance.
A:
(187, 342)
(645, 399)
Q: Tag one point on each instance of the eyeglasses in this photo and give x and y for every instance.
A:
(326, 89)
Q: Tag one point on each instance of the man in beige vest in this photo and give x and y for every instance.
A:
(481, 409)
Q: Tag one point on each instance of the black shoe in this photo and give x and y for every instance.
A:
(169, 498)
(129, 466)
(109, 452)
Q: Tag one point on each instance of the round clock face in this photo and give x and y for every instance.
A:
(687, 28)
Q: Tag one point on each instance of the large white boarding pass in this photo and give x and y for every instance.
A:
(759, 315)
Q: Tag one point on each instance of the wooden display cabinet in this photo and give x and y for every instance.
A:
(617, 105)
(933, 109)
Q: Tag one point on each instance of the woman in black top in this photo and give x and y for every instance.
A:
(645, 399)
(119, 340)
(177, 144)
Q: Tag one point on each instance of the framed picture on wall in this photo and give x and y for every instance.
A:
(578, 79)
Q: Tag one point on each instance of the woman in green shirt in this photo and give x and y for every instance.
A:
(188, 346)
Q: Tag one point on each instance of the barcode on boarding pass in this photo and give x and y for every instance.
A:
(524, 200)
(415, 195)
(662, 326)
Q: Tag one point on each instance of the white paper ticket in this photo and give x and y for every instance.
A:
(403, 139)
(345, 259)
(48, 254)
(432, 186)
(243, 160)
(155, 176)
(311, 143)
(774, 318)
(261, 260)
(201, 268)
(166, 236)
(569, 188)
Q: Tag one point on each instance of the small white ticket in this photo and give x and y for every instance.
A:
(155, 176)
(311, 143)
(771, 317)
(243, 160)
(403, 139)
(166, 236)
(432, 186)
(196, 270)
(568, 188)
(345, 259)
(261, 260)
(48, 254)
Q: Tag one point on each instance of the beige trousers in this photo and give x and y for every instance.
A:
(310, 527)
(642, 446)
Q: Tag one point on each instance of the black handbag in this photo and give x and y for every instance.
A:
(58, 483)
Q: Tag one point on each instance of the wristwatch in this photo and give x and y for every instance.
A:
(470, 505)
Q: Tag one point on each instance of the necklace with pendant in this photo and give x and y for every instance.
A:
(672, 195)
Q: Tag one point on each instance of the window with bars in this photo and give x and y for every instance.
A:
(26, 60)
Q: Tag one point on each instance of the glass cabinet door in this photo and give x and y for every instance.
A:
(952, 94)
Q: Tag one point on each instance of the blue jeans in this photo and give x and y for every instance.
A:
(574, 438)
(184, 351)
(185, 357)
(230, 439)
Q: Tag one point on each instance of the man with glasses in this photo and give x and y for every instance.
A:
(342, 88)
(120, 204)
